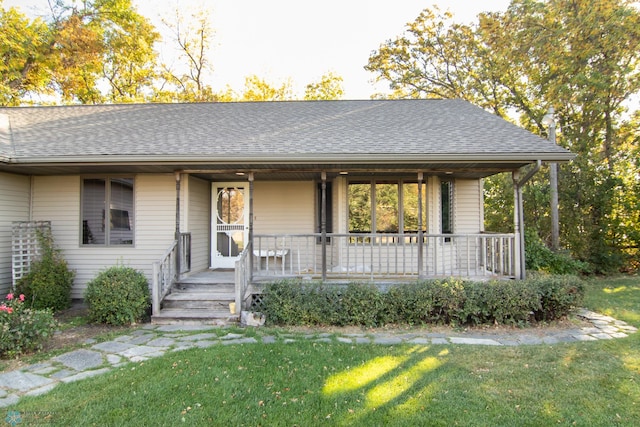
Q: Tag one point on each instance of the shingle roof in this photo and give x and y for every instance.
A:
(278, 131)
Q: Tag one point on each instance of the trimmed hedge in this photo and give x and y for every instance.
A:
(443, 302)
(118, 296)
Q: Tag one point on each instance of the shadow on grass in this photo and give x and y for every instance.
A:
(539, 385)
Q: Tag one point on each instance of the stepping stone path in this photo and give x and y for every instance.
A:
(156, 340)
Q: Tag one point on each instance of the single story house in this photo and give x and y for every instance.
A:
(368, 190)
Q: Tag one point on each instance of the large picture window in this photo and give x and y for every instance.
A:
(385, 207)
(107, 211)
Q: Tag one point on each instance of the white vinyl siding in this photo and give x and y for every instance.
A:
(467, 206)
(284, 207)
(57, 199)
(198, 218)
(14, 206)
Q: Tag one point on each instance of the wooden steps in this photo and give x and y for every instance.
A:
(197, 301)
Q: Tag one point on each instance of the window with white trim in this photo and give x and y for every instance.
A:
(107, 211)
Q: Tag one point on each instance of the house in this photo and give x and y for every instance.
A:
(328, 189)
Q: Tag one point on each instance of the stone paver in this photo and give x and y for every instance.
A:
(22, 381)
(161, 342)
(81, 360)
(473, 341)
(113, 346)
(151, 341)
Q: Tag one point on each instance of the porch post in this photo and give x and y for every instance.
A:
(518, 213)
(177, 232)
(420, 225)
(250, 255)
(323, 224)
(517, 222)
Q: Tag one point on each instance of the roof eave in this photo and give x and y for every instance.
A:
(297, 159)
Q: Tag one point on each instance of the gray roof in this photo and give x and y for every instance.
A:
(200, 135)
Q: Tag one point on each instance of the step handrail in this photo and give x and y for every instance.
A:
(242, 277)
(165, 274)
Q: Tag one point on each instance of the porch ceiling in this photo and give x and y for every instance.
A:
(272, 171)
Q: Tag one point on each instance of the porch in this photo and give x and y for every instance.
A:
(377, 258)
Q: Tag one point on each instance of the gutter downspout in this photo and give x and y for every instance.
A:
(519, 217)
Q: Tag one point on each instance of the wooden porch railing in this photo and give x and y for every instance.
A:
(242, 277)
(165, 273)
(386, 255)
(185, 252)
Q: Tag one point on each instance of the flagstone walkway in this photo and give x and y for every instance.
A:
(155, 340)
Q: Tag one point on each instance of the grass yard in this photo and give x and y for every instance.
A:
(308, 384)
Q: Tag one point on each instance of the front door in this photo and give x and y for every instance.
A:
(230, 224)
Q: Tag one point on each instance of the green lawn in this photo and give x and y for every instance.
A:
(308, 384)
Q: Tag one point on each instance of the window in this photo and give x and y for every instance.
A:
(446, 207)
(107, 211)
(385, 207)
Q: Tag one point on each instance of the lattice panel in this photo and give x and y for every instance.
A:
(256, 303)
(25, 245)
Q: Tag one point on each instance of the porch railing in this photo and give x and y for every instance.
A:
(386, 254)
(165, 273)
(242, 276)
(185, 252)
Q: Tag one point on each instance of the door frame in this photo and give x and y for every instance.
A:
(217, 260)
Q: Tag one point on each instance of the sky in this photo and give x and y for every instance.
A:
(297, 39)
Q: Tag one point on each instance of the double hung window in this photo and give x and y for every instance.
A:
(107, 211)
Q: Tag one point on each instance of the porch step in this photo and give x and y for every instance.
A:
(170, 316)
(198, 300)
(208, 288)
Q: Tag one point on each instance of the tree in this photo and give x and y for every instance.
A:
(328, 88)
(258, 89)
(23, 49)
(194, 42)
(102, 41)
(579, 56)
(92, 51)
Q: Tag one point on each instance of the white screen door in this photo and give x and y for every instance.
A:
(230, 225)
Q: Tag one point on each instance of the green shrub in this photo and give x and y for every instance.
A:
(49, 281)
(538, 257)
(118, 295)
(558, 295)
(450, 301)
(501, 302)
(22, 328)
(411, 303)
(361, 304)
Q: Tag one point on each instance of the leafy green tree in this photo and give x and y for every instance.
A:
(581, 57)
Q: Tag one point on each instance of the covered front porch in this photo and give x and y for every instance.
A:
(254, 232)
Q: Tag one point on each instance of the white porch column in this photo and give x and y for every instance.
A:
(518, 212)
(420, 226)
(323, 224)
(179, 249)
(250, 255)
(518, 226)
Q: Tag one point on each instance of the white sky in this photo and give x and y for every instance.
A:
(297, 39)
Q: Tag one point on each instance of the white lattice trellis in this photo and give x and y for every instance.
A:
(25, 245)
